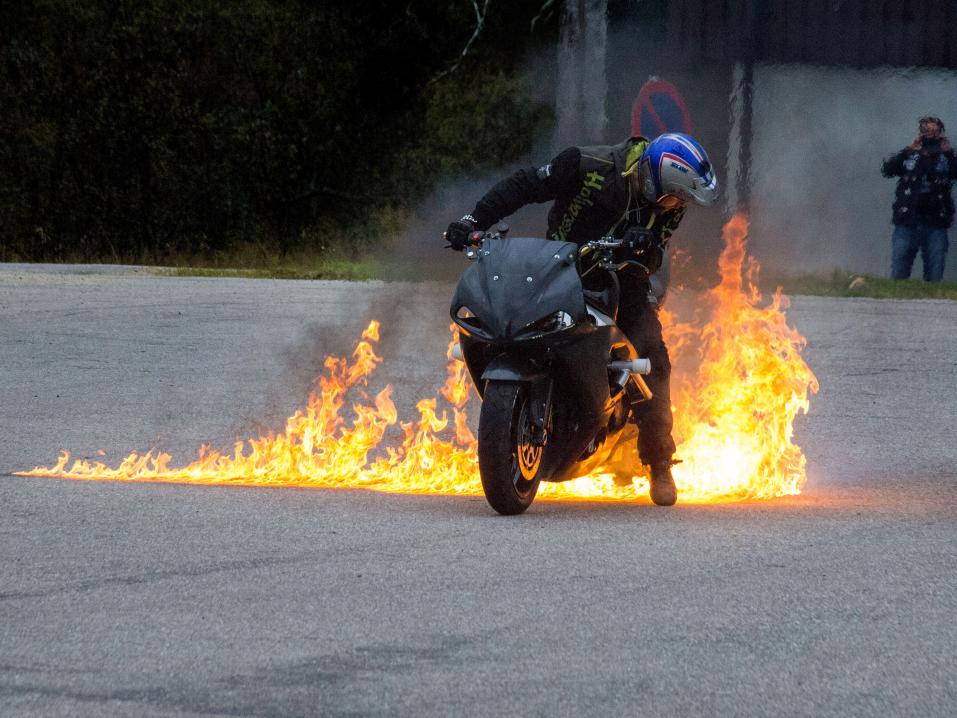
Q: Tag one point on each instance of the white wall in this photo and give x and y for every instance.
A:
(820, 134)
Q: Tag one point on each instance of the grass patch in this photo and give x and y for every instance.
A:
(846, 284)
(325, 251)
(352, 269)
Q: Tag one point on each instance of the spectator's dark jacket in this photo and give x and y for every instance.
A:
(591, 197)
(923, 190)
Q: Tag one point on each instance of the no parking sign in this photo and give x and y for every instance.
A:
(659, 108)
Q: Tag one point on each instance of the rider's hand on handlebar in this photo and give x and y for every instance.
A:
(637, 239)
(640, 244)
(459, 234)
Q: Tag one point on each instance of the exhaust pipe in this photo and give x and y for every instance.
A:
(635, 366)
(633, 369)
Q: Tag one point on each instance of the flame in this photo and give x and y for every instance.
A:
(733, 418)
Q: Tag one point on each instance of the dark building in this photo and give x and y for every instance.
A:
(852, 33)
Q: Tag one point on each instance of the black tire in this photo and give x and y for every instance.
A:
(509, 464)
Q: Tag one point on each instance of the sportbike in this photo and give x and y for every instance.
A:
(559, 380)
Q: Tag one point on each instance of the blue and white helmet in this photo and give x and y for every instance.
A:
(675, 164)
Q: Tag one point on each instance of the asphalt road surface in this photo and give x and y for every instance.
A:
(151, 599)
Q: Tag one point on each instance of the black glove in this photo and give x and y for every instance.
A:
(638, 240)
(459, 233)
(642, 245)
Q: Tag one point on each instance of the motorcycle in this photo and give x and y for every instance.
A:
(559, 381)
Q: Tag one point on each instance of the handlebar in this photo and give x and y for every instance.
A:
(604, 245)
(477, 238)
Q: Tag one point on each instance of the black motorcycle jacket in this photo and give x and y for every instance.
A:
(923, 190)
(592, 198)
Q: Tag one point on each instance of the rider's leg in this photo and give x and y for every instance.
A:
(638, 319)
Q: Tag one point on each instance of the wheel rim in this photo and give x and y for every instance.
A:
(527, 456)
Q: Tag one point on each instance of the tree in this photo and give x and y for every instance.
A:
(139, 129)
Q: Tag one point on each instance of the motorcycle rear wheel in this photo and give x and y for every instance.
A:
(509, 462)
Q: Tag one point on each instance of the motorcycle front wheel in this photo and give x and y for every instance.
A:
(509, 461)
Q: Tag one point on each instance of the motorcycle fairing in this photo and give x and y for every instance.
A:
(510, 368)
(525, 280)
(603, 292)
(580, 369)
(578, 366)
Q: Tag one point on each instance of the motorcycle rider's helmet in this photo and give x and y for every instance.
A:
(674, 166)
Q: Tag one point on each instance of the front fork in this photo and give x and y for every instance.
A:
(540, 403)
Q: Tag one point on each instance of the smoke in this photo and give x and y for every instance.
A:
(638, 51)
(581, 90)
(418, 252)
(820, 134)
(572, 78)
(590, 80)
(413, 321)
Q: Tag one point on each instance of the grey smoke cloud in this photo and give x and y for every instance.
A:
(417, 253)
(820, 135)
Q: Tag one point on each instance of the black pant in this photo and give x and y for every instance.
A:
(638, 319)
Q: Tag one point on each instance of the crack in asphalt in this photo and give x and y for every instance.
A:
(320, 684)
(154, 576)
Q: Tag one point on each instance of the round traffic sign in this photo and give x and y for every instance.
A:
(659, 108)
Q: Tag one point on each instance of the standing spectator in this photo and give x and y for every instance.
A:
(923, 208)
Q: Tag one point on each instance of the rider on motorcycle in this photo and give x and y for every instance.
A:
(637, 187)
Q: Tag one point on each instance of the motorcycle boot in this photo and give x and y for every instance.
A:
(663, 491)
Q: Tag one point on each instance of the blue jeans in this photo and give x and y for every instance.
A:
(932, 243)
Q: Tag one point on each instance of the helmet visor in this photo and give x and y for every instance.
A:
(669, 202)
